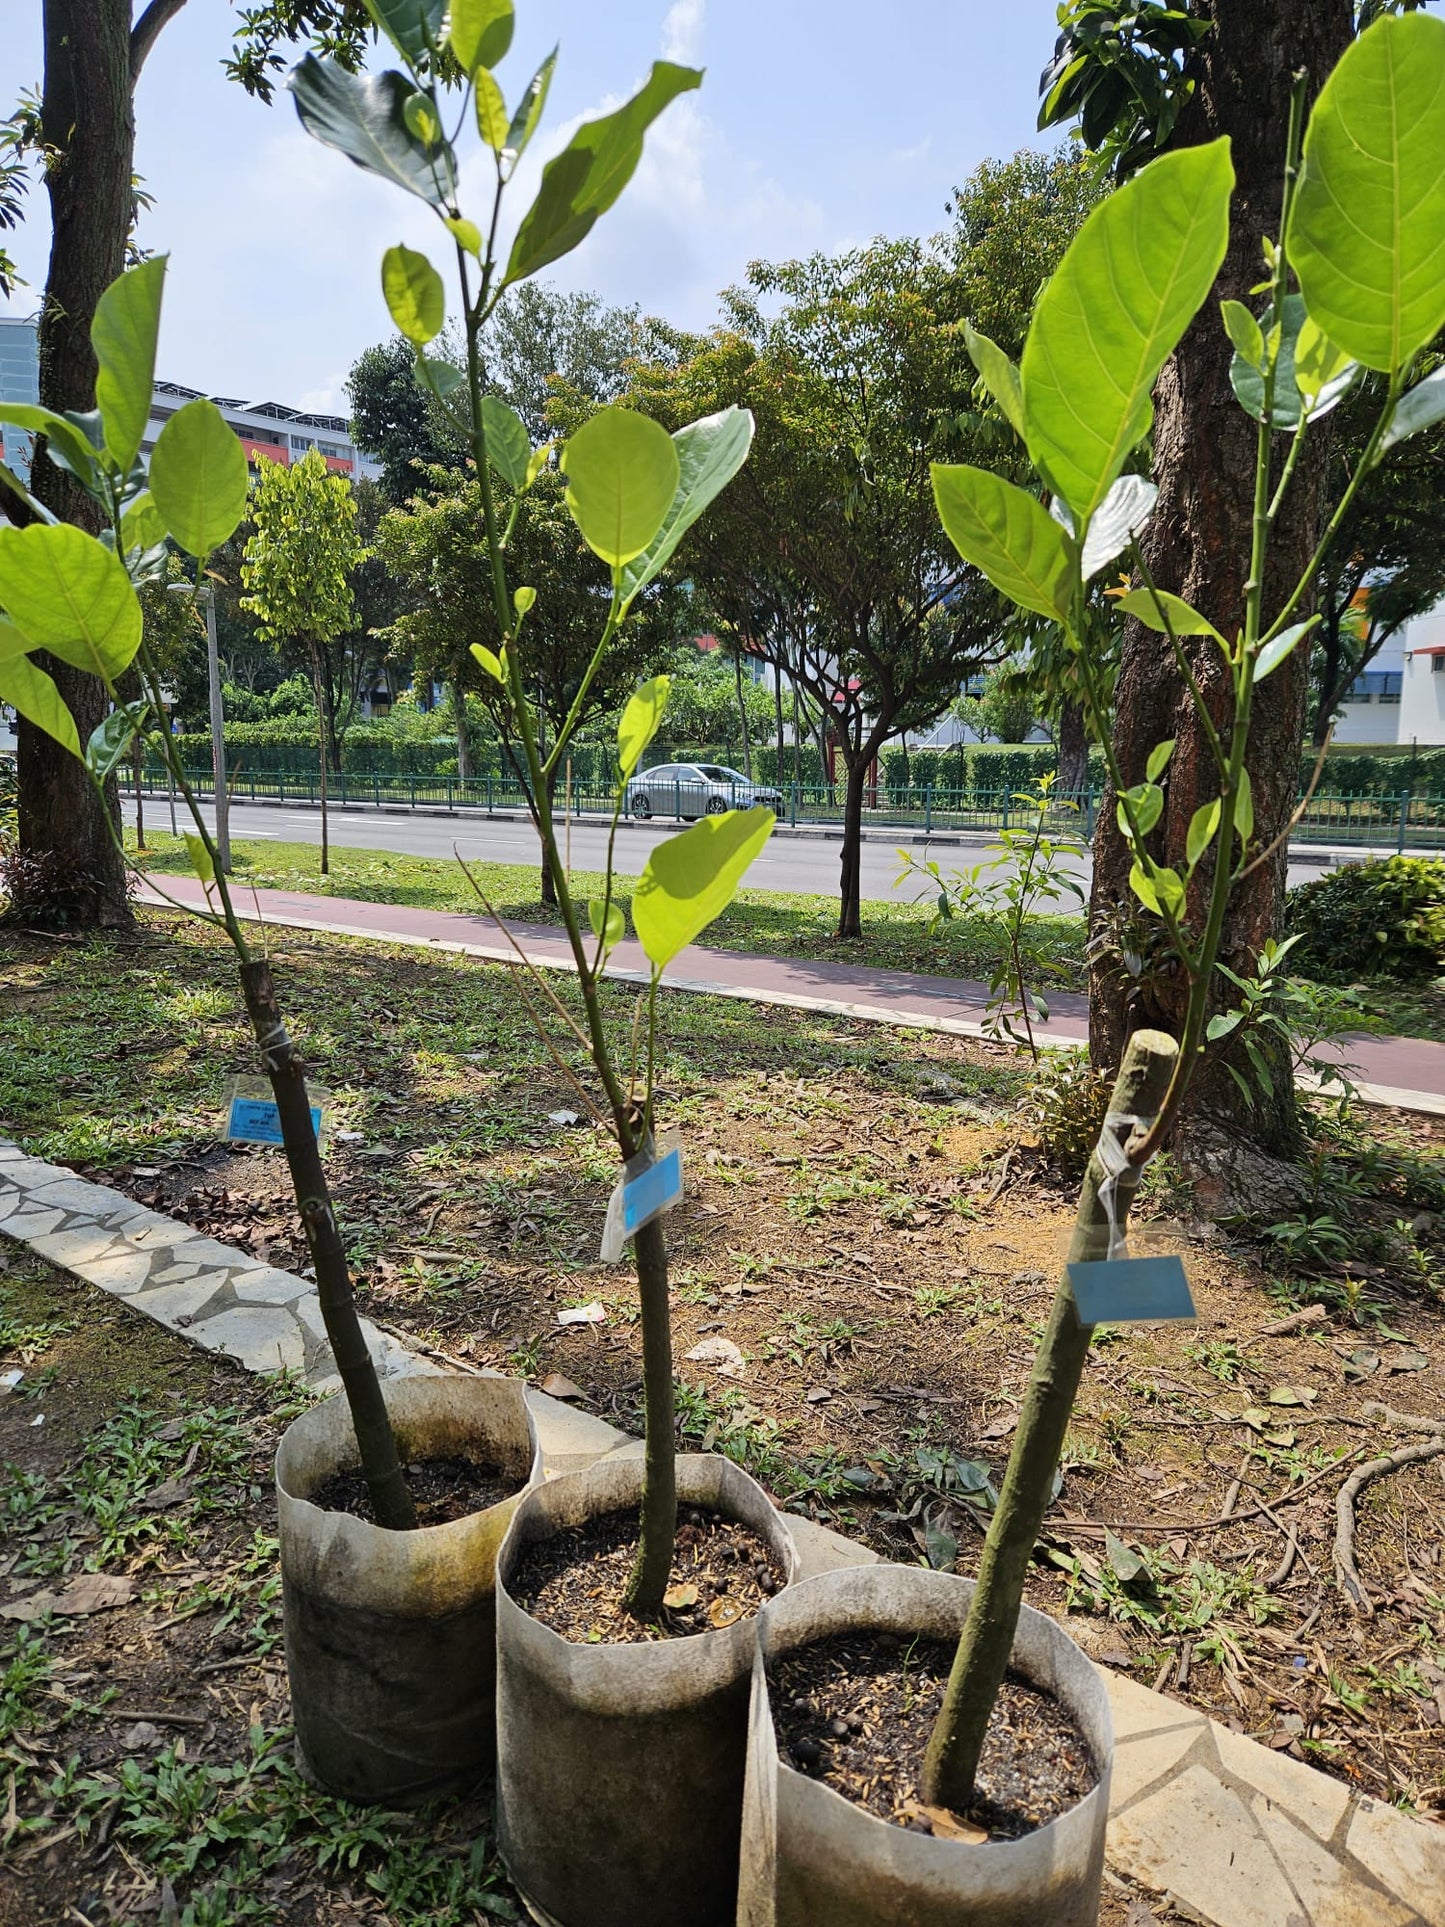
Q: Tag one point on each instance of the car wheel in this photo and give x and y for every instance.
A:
(641, 807)
(716, 805)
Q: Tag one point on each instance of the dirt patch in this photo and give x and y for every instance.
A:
(857, 1712)
(574, 1580)
(441, 1490)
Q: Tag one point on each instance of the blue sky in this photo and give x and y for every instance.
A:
(820, 124)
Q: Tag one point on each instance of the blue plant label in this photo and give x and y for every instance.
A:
(1128, 1291)
(652, 1192)
(257, 1120)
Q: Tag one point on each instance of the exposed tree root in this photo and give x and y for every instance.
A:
(1432, 1446)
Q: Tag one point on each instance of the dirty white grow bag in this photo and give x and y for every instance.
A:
(620, 1768)
(390, 1636)
(810, 1857)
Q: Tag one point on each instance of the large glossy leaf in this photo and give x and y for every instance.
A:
(1176, 615)
(709, 453)
(70, 595)
(1274, 653)
(142, 526)
(110, 741)
(1000, 376)
(622, 473)
(480, 32)
(491, 106)
(529, 107)
(583, 181)
(198, 477)
(123, 334)
(509, 447)
(1419, 407)
(1367, 229)
(1121, 515)
(1304, 389)
(32, 692)
(412, 26)
(68, 445)
(692, 878)
(1003, 531)
(364, 117)
(1108, 319)
(641, 720)
(415, 297)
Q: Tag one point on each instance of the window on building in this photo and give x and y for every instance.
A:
(1437, 665)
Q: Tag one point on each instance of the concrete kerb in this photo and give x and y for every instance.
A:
(1241, 1835)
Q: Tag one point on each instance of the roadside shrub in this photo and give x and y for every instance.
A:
(1066, 1104)
(1382, 919)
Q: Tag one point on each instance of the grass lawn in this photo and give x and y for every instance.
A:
(896, 936)
(871, 1224)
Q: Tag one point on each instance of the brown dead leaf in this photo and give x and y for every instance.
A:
(946, 1825)
(724, 1612)
(90, 1592)
(678, 1597)
(555, 1386)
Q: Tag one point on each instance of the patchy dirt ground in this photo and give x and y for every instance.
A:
(867, 1249)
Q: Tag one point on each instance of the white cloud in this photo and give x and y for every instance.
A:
(682, 31)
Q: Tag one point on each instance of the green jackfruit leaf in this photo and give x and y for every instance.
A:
(692, 878)
(32, 692)
(641, 720)
(709, 453)
(1000, 376)
(1113, 312)
(110, 742)
(413, 27)
(609, 928)
(1009, 535)
(584, 180)
(1184, 621)
(364, 117)
(71, 595)
(198, 477)
(123, 334)
(480, 32)
(509, 447)
(622, 474)
(415, 297)
(201, 860)
(1367, 228)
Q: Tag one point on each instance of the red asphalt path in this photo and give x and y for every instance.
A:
(1388, 1069)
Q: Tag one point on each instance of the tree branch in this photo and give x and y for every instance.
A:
(146, 31)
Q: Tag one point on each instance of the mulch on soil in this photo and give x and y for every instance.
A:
(574, 1580)
(442, 1490)
(856, 1712)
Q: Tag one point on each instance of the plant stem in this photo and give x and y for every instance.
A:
(981, 1661)
(658, 1525)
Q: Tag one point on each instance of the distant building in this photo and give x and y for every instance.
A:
(268, 430)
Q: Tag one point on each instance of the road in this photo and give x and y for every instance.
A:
(789, 863)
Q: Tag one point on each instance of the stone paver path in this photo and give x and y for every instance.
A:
(1406, 1071)
(1241, 1835)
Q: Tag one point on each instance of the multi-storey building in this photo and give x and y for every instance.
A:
(268, 430)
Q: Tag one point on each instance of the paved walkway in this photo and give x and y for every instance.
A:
(1405, 1071)
(1242, 1836)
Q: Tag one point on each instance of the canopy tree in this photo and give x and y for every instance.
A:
(824, 558)
(303, 547)
(437, 548)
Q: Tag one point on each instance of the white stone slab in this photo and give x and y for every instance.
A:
(1333, 1896)
(26, 1222)
(1319, 1802)
(1146, 1758)
(124, 1273)
(1405, 1855)
(168, 1303)
(269, 1286)
(1200, 1841)
(74, 1246)
(264, 1338)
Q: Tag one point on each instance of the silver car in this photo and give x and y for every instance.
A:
(690, 790)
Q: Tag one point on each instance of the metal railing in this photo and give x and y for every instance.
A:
(1391, 823)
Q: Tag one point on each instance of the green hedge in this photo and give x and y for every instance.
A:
(1371, 920)
(976, 773)
(1379, 772)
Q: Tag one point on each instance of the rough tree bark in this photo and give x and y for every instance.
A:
(88, 124)
(1198, 545)
(1073, 751)
(857, 761)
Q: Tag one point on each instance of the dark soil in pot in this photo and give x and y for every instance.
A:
(441, 1489)
(573, 1582)
(856, 1713)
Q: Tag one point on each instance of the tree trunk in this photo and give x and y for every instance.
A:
(857, 761)
(89, 130)
(464, 736)
(1198, 545)
(1073, 751)
(138, 759)
(549, 882)
(323, 728)
(778, 704)
(743, 718)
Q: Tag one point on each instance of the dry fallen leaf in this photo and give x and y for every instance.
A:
(721, 1353)
(677, 1597)
(90, 1592)
(946, 1825)
(724, 1612)
(555, 1386)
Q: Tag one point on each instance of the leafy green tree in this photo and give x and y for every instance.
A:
(1003, 710)
(303, 548)
(824, 559)
(1012, 221)
(544, 346)
(437, 547)
(395, 420)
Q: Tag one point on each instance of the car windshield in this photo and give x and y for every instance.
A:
(715, 773)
